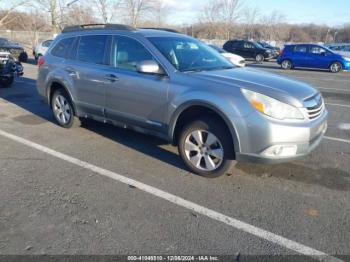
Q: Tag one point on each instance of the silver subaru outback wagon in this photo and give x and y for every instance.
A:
(175, 87)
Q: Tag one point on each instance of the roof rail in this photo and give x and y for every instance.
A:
(75, 28)
(162, 29)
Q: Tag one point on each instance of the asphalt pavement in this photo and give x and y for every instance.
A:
(98, 189)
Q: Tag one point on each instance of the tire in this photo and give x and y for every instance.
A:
(336, 67)
(286, 64)
(200, 158)
(8, 82)
(23, 57)
(63, 110)
(259, 58)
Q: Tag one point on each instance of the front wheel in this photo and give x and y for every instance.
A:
(62, 108)
(336, 67)
(259, 58)
(206, 147)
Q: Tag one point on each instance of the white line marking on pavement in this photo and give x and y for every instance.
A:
(344, 126)
(331, 104)
(337, 139)
(335, 89)
(235, 223)
(321, 79)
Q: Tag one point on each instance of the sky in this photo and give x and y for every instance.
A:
(328, 12)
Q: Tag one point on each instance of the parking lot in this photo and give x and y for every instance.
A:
(99, 189)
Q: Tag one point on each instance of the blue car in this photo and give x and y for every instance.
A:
(312, 56)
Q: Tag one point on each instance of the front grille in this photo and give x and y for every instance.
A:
(315, 107)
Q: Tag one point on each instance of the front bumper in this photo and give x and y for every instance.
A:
(346, 66)
(264, 134)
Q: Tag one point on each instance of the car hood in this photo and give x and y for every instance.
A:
(282, 88)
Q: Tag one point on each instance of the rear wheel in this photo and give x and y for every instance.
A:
(63, 110)
(336, 67)
(286, 64)
(206, 147)
(259, 58)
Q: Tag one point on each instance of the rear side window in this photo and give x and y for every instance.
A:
(91, 49)
(300, 49)
(62, 47)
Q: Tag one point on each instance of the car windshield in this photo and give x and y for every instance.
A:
(258, 45)
(187, 54)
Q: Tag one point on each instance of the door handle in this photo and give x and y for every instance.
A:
(111, 77)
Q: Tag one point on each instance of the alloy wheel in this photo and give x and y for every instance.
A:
(204, 150)
(62, 109)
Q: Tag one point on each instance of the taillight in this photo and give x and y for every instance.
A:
(41, 61)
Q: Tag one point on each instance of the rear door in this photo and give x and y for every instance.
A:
(86, 69)
(300, 55)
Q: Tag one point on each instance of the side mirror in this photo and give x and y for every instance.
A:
(149, 67)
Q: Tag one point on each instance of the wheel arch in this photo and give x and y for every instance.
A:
(180, 114)
(55, 85)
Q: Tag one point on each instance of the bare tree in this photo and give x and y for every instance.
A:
(8, 10)
(161, 11)
(251, 16)
(223, 12)
(135, 10)
(106, 9)
(54, 7)
(271, 23)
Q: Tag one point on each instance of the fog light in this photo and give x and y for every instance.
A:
(281, 151)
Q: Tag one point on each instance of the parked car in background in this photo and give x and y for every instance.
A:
(179, 89)
(234, 59)
(312, 56)
(276, 50)
(8, 69)
(342, 49)
(248, 49)
(16, 50)
(41, 48)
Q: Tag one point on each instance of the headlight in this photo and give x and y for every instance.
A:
(271, 107)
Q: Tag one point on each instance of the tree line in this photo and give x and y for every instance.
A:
(217, 19)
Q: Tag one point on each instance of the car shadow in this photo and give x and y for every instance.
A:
(331, 178)
(24, 95)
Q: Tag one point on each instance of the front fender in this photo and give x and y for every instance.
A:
(223, 107)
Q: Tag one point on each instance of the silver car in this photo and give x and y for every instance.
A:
(179, 89)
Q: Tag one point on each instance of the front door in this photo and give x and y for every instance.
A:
(133, 97)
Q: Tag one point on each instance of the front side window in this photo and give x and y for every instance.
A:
(62, 47)
(248, 45)
(91, 49)
(317, 50)
(187, 54)
(127, 53)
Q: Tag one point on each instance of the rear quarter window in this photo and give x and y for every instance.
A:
(91, 49)
(62, 47)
